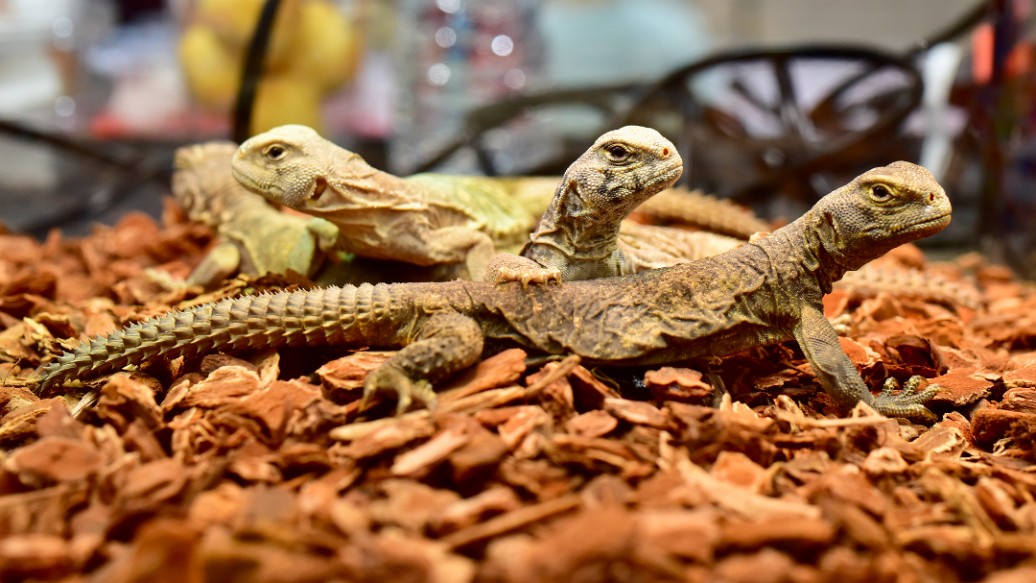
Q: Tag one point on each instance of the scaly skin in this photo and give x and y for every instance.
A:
(704, 212)
(424, 219)
(578, 236)
(765, 291)
(656, 247)
(254, 237)
(871, 280)
(665, 247)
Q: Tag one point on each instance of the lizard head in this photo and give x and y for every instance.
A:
(879, 210)
(622, 169)
(289, 165)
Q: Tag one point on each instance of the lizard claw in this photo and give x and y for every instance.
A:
(908, 402)
(388, 379)
(527, 275)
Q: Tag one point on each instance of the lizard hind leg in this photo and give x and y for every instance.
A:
(444, 343)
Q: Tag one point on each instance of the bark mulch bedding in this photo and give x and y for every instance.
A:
(259, 468)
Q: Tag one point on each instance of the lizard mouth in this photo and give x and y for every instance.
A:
(936, 222)
(241, 177)
(672, 174)
(319, 186)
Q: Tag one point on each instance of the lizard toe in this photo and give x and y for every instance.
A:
(909, 402)
(528, 275)
(889, 387)
(914, 411)
(394, 382)
(420, 391)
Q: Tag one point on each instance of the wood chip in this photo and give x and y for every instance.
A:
(237, 465)
(511, 521)
(684, 384)
(54, 459)
(422, 459)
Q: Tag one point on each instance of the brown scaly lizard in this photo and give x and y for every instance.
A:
(765, 291)
(424, 219)
(254, 237)
(578, 235)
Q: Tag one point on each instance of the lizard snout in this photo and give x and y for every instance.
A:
(939, 202)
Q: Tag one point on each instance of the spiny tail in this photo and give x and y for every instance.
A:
(869, 281)
(704, 211)
(335, 315)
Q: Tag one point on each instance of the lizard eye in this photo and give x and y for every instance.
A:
(617, 152)
(880, 192)
(275, 152)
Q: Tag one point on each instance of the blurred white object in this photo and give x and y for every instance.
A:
(38, 41)
(939, 68)
(600, 42)
(28, 76)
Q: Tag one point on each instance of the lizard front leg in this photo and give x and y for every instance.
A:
(442, 345)
(220, 263)
(458, 245)
(841, 380)
(508, 267)
(327, 236)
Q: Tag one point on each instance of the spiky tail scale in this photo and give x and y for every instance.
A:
(693, 207)
(335, 315)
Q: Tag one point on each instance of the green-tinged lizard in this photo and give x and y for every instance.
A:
(765, 291)
(254, 237)
(423, 219)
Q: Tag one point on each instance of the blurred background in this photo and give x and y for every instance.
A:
(772, 102)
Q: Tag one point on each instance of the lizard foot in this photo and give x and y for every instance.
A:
(391, 380)
(527, 275)
(908, 402)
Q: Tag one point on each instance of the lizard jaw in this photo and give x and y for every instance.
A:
(931, 225)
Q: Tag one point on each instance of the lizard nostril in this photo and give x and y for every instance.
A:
(931, 197)
(665, 152)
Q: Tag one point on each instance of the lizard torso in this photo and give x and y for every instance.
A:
(762, 292)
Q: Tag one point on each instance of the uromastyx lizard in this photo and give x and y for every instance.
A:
(254, 237)
(766, 291)
(430, 219)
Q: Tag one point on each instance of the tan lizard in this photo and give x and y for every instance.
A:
(254, 237)
(423, 219)
(765, 291)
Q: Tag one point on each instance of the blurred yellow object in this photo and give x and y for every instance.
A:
(327, 47)
(212, 71)
(313, 49)
(234, 22)
(282, 100)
